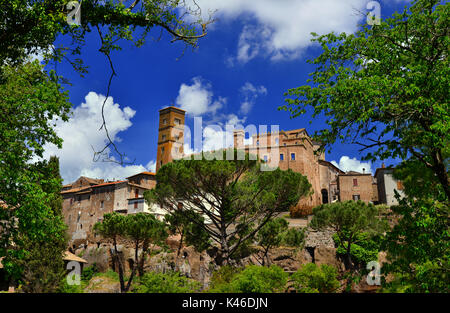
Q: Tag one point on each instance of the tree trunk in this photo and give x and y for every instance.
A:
(441, 173)
(135, 265)
(142, 260)
(119, 265)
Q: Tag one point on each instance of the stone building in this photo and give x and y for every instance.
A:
(86, 200)
(357, 186)
(387, 186)
(329, 174)
(293, 149)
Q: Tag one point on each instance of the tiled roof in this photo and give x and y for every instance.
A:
(68, 256)
(110, 183)
(143, 173)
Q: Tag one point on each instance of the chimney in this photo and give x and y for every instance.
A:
(364, 170)
(383, 165)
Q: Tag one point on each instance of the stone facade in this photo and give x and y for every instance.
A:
(357, 186)
(86, 201)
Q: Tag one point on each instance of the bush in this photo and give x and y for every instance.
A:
(294, 237)
(312, 279)
(222, 278)
(171, 282)
(364, 250)
(260, 279)
(299, 211)
(89, 272)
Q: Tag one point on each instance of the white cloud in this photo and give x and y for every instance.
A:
(151, 166)
(347, 164)
(280, 29)
(250, 93)
(197, 99)
(81, 135)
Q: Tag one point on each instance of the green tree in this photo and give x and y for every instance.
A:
(311, 278)
(43, 264)
(171, 282)
(260, 279)
(386, 88)
(349, 219)
(29, 192)
(271, 235)
(113, 227)
(418, 246)
(144, 230)
(294, 237)
(235, 197)
(190, 233)
(31, 26)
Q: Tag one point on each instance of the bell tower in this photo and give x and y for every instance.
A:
(170, 135)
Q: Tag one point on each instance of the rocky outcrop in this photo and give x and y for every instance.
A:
(319, 238)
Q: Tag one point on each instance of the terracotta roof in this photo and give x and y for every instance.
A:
(173, 108)
(142, 173)
(93, 180)
(68, 256)
(354, 173)
(110, 183)
(74, 190)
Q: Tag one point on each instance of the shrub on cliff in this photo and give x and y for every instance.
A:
(311, 278)
(171, 282)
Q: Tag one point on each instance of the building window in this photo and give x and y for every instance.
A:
(356, 197)
(276, 141)
(284, 144)
(265, 158)
(162, 150)
(102, 204)
(135, 205)
(282, 157)
(355, 182)
(257, 142)
(136, 193)
(163, 137)
(71, 200)
(177, 121)
(293, 156)
(176, 150)
(164, 121)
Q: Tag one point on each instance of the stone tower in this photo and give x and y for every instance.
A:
(170, 135)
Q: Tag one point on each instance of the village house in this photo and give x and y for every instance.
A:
(86, 200)
(387, 186)
(357, 186)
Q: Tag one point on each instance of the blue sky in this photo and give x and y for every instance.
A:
(254, 53)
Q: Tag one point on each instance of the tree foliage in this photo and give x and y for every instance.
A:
(310, 278)
(171, 282)
(386, 88)
(251, 279)
(30, 26)
(235, 197)
(418, 246)
(142, 229)
(349, 219)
